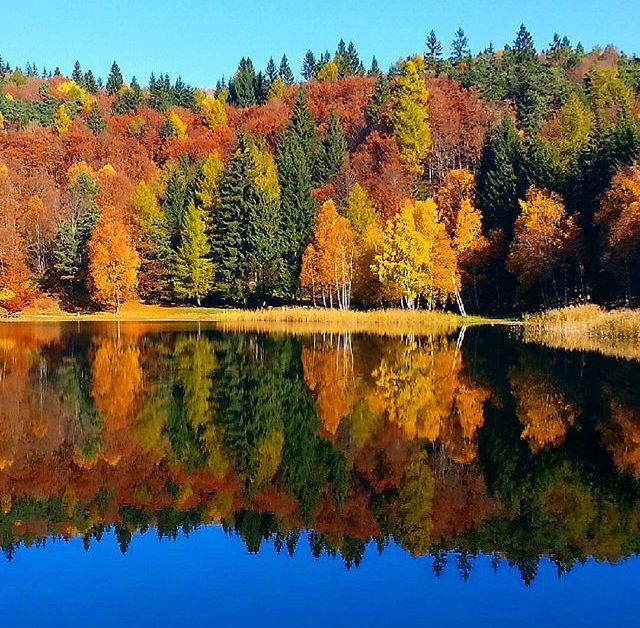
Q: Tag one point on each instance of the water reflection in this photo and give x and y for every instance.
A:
(449, 446)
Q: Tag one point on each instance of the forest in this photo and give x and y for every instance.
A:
(505, 180)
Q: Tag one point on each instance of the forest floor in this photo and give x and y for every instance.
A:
(285, 319)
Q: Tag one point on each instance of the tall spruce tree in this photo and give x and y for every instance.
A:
(498, 185)
(115, 80)
(77, 75)
(242, 88)
(272, 70)
(285, 72)
(334, 148)
(230, 225)
(297, 158)
(309, 66)
(433, 54)
(460, 47)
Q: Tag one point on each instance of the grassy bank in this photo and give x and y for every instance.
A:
(291, 319)
(587, 328)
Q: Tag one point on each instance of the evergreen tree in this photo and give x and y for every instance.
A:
(261, 88)
(353, 60)
(433, 55)
(242, 88)
(334, 148)
(374, 70)
(381, 95)
(90, 82)
(296, 163)
(302, 128)
(95, 120)
(193, 270)
(523, 48)
(180, 190)
(237, 196)
(115, 80)
(77, 75)
(309, 66)
(285, 72)
(460, 47)
(272, 70)
(498, 186)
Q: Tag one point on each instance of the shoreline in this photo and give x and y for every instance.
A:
(288, 319)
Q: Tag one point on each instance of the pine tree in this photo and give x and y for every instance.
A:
(272, 70)
(261, 88)
(498, 187)
(285, 72)
(295, 164)
(242, 88)
(334, 148)
(433, 55)
(309, 66)
(302, 128)
(523, 47)
(374, 70)
(90, 82)
(115, 80)
(77, 75)
(95, 120)
(353, 60)
(193, 270)
(229, 227)
(381, 95)
(460, 47)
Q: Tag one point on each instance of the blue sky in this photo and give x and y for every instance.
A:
(204, 39)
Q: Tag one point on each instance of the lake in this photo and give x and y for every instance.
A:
(156, 474)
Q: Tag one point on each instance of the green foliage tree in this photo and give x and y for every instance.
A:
(193, 270)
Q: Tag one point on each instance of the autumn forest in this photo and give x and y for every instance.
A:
(500, 181)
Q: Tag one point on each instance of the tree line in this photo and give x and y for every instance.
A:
(490, 181)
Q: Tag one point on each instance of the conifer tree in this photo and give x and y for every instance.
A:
(285, 72)
(272, 70)
(295, 163)
(433, 55)
(334, 148)
(193, 270)
(229, 226)
(374, 70)
(95, 120)
(89, 82)
(309, 66)
(242, 89)
(77, 75)
(497, 183)
(460, 47)
(115, 80)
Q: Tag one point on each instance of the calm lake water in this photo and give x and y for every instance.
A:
(163, 474)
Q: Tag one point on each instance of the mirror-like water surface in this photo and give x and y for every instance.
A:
(159, 474)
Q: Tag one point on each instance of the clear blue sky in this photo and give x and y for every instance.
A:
(204, 39)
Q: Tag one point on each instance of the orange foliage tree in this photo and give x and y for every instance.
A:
(113, 260)
(327, 263)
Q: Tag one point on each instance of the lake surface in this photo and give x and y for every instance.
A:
(163, 474)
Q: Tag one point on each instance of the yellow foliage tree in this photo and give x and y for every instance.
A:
(417, 261)
(209, 187)
(546, 241)
(62, 120)
(178, 125)
(410, 117)
(328, 72)
(213, 109)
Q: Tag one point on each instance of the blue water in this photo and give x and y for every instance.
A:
(209, 578)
